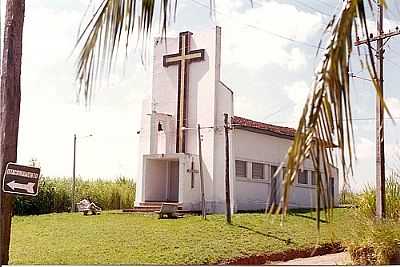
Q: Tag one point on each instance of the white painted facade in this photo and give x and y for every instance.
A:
(167, 176)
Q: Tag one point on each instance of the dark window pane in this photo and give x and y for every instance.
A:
(273, 171)
(258, 170)
(241, 168)
(314, 178)
(302, 177)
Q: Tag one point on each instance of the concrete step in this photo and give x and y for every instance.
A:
(151, 206)
(157, 203)
(141, 209)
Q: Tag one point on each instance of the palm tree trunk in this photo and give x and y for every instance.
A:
(10, 98)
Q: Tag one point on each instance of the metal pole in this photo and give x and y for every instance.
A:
(73, 177)
(227, 188)
(380, 149)
(203, 201)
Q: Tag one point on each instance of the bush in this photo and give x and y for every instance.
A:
(375, 242)
(55, 195)
(347, 197)
(367, 199)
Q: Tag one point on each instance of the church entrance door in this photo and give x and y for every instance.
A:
(161, 177)
(173, 181)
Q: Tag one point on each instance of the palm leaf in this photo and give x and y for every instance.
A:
(326, 118)
(113, 21)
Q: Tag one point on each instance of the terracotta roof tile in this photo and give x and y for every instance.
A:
(268, 128)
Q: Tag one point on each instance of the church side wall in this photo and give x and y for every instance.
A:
(251, 194)
(224, 96)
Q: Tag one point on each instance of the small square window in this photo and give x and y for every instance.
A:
(241, 168)
(257, 170)
(302, 177)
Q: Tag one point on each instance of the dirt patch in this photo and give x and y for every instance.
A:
(285, 255)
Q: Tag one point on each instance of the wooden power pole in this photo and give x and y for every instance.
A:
(10, 98)
(227, 188)
(203, 201)
(380, 137)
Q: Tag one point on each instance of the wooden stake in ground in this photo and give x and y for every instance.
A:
(227, 188)
(203, 201)
(10, 98)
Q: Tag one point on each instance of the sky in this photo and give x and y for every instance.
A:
(268, 60)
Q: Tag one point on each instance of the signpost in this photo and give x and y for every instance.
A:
(21, 180)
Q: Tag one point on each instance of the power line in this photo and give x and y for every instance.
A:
(313, 8)
(277, 35)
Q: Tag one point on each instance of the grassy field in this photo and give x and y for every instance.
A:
(112, 238)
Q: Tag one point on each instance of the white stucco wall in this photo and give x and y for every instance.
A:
(224, 98)
(253, 194)
(143, 148)
(201, 86)
(155, 179)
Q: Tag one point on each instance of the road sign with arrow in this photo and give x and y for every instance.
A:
(21, 180)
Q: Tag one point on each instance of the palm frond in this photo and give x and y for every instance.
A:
(113, 21)
(326, 118)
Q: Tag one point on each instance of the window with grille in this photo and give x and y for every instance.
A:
(241, 168)
(302, 177)
(258, 170)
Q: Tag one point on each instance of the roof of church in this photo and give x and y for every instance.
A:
(265, 128)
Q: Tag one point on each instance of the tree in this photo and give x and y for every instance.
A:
(10, 98)
(326, 117)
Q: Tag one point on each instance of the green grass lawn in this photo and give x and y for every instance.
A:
(112, 238)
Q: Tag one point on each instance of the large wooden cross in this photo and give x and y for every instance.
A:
(182, 59)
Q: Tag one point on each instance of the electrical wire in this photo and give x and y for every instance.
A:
(277, 35)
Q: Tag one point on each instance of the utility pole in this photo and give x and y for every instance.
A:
(73, 177)
(203, 201)
(227, 188)
(10, 98)
(380, 136)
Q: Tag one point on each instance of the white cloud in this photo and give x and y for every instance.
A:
(297, 92)
(393, 104)
(246, 34)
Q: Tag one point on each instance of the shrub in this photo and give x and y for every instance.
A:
(367, 199)
(55, 195)
(346, 197)
(375, 242)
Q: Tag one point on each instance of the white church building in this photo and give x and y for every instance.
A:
(187, 91)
